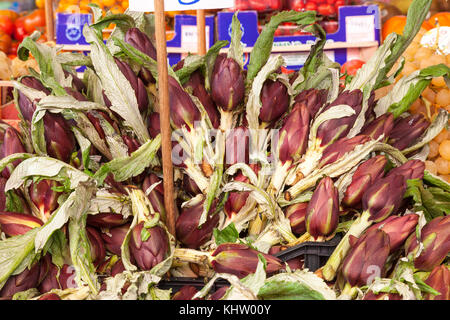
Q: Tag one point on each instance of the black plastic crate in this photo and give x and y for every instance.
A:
(315, 254)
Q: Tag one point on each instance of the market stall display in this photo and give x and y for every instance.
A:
(265, 161)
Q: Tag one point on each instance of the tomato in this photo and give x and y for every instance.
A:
(326, 9)
(9, 13)
(5, 42)
(310, 6)
(19, 31)
(6, 25)
(352, 66)
(297, 5)
(339, 3)
(13, 48)
(442, 17)
(34, 21)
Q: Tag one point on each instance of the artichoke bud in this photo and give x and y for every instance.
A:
(340, 148)
(227, 83)
(156, 196)
(241, 260)
(187, 230)
(114, 238)
(237, 146)
(140, 41)
(365, 175)
(185, 293)
(190, 186)
(275, 101)
(11, 145)
(322, 213)
(334, 129)
(44, 197)
(407, 130)
(384, 197)
(294, 134)
(366, 258)
(136, 83)
(314, 99)
(26, 106)
(25, 280)
(381, 126)
(412, 169)
(14, 224)
(150, 249)
(296, 214)
(435, 236)
(60, 141)
(197, 83)
(183, 111)
(154, 125)
(398, 228)
(97, 246)
(439, 279)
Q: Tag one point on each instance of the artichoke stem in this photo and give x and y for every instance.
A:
(303, 238)
(191, 256)
(338, 255)
(348, 293)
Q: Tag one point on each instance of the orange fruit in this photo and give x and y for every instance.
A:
(109, 3)
(116, 10)
(40, 4)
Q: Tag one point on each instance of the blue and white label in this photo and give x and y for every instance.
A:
(180, 5)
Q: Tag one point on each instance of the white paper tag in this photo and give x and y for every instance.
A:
(360, 28)
(299, 58)
(189, 37)
(180, 5)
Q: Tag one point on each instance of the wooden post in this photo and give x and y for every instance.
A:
(49, 20)
(164, 105)
(201, 32)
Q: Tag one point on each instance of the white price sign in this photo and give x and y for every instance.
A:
(180, 5)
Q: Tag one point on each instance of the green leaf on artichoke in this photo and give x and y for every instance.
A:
(79, 245)
(263, 45)
(229, 234)
(13, 251)
(117, 88)
(299, 285)
(51, 71)
(130, 166)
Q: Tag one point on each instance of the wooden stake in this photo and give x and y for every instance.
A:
(164, 105)
(49, 20)
(201, 31)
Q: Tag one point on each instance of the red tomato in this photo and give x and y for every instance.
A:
(19, 31)
(339, 3)
(6, 25)
(13, 48)
(352, 66)
(310, 6)
(331, 2)
(34, 21)
(326, 9)
(297, 5)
